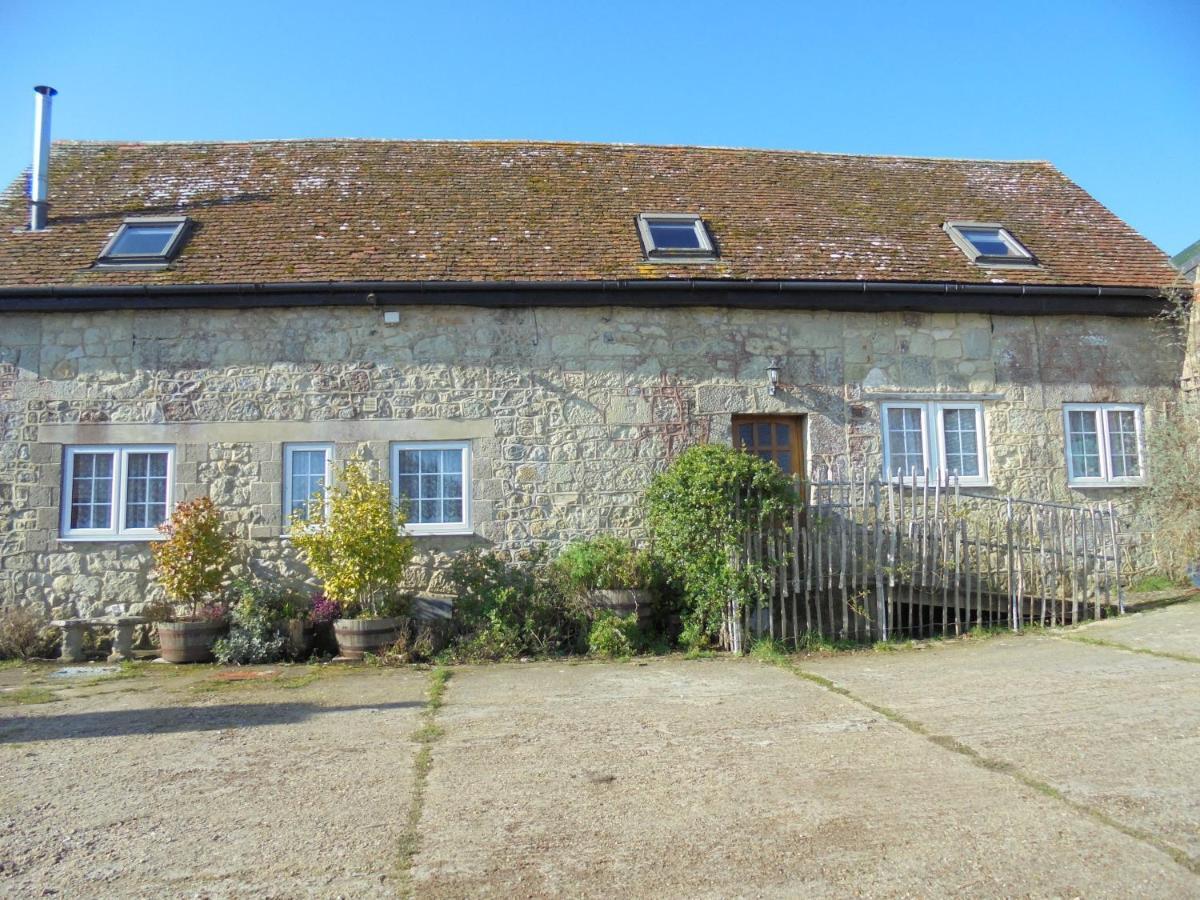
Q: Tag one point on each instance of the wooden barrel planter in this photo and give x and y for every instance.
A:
(622, 602)
(356, 637)
(188, 642)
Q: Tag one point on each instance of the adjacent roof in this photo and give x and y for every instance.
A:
(470, 211)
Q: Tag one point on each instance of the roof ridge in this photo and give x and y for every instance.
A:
(632, 145)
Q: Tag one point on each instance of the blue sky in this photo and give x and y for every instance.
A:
(1109, 92)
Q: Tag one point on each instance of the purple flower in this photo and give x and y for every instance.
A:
(325, 610)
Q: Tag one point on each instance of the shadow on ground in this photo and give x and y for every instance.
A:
(167, 720)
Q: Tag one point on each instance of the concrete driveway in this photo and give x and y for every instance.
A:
(1060, 764)
(1035, 765)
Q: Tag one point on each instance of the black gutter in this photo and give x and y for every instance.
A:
(859, 296)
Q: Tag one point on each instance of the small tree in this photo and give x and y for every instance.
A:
(698, 511)
(193, 561)
(354, 541)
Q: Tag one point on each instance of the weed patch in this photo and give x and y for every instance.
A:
(1113, 645)
(25, 696)
(426, 735)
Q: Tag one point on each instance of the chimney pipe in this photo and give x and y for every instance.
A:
(39, 185)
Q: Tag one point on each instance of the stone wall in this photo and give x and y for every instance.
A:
(570, 411)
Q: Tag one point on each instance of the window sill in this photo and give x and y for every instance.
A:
(1093, 485)
(455, 532)
(110, 538)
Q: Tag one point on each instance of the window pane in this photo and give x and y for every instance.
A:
(669, 235)
(1122, 444)
(91, 490)
(906, 451)
(988, 241)
(144, 240)
(145, 490)
(961, 441)
(783, 435)
(745, 435)
(408, 461)
(407, 486)
(763, 434)
(785, 462)
(1083, 443)
(433, 480)
(307, 481)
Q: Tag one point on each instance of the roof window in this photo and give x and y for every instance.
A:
(145, 241)
(989, 245)
(675, 236)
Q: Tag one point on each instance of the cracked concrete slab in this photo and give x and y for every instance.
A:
(726, 777)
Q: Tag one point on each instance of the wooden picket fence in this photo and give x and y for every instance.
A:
(859, 558)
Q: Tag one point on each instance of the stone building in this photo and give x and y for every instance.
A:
(521, 334)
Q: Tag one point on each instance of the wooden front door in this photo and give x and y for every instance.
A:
(777, 438)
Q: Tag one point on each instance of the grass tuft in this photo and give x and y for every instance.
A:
(25, 696)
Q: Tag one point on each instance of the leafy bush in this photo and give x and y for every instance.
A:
(698, 511)
(193, 561)
(503, 610)
(250, 645)
(601, 564)
(354, 541)
(614, 637)
(270, 604)
(26, 634)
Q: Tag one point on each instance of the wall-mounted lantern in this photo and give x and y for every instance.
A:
(773, 376)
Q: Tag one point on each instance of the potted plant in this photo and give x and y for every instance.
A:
(191, 564)
(610, 574)
(353, 540)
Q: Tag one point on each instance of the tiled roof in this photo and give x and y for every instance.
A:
(344, 210)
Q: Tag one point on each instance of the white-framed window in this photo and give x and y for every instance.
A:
(116, 492)
(988, 244)
(1104, 443)
(432, 479)
(675, 236)
(943, 438)
(307, 470)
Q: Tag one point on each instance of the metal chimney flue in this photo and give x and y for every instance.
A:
(39, 184)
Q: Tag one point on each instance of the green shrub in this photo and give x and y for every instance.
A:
(503, 610)
(258, 611)
(27, 634)
(602, 564)
(250, 645)
(354, 541)
(698, 510)
(614, 637)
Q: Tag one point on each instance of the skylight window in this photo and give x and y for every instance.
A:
(989, 245)
(675, 236)
(145, 241)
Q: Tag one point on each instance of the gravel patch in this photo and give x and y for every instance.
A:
(179, 784)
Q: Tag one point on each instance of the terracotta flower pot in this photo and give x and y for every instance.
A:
(188, 642)
(356, 637)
